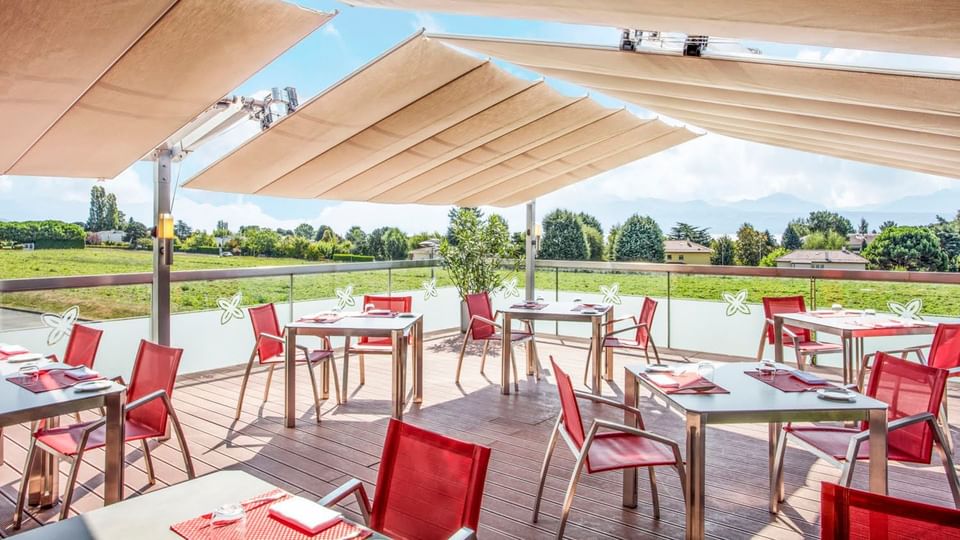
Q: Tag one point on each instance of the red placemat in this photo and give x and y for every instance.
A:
(325, 319)
(534, 307)
(785, 382)
(690, 379)
(4, 356)
(55, 379)
(260, 525)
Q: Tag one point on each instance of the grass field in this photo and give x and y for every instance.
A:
(115, 302)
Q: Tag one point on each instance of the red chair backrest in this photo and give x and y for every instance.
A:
(907, 388)
(646, 317)
(776, 305)
(83, 345)
(154, 369)
(264, 320)
(572, 421)
(479, 304)
(398, 304)
(429, 486)
(851, 513)
(945, 349)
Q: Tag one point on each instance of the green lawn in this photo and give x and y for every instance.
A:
(113, 302)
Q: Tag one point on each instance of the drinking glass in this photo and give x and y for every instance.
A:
(706, 370)
(31, 373)
(230, 520)
(368, 308)
(767, 367)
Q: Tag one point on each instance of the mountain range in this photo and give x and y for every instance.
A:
(774, 211)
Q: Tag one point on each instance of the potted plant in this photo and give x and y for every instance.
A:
(478, 254)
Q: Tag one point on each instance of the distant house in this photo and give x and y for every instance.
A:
(109, 236)
(686, 252)
(421, 254)
(857, 241)
(819, 258)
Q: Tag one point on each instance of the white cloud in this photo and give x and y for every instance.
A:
(428, 22)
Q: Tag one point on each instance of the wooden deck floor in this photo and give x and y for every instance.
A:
(313, 459)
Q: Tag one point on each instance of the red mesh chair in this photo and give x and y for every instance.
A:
(642, 337)
(618, 447)
(944, 354)
(428, 487)
(799, 338)
(851, 513)
(374, 345)
(146, 417)
(484, 327)
(268, 349)
(82, 347)
(913, 393)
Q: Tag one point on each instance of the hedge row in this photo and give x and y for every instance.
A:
(36, 231)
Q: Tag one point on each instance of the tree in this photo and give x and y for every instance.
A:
(723, 251)
(824, 221)
(595, 242)
(375, 242)
(98, 205)
(358, 240)
(261, 241)
(948, 232)
(791, 237)
(304, 230)
(222, 230)
(887, 224)
(609, 251)
(111, 214)
(640, 239)
(907, 248)
(751, 246)
(121, 220)
(563, 237)
(864, 227)
(476, 250)
(321, 230)
(770, 259)
(394, 245)
(830, 240)
(590, 221)
(134, 231)
(181, 230)
(685, 231)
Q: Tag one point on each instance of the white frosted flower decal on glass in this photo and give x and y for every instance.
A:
(345, 297)
(430, 288)
(611, 294)
(230, 308)
(60, 325)
(736, 303)
(909, 311)
(510, 288)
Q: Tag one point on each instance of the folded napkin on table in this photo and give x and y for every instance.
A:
(305, 514)
(81, 373)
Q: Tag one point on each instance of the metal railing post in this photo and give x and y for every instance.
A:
(556, 297)
(669, 318)
(291, 298)
(389, 282)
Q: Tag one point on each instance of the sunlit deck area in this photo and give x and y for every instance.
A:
(313, 459)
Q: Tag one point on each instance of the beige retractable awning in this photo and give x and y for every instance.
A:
(904, 26)
(427, 124)
(897, 119)
(90, 87)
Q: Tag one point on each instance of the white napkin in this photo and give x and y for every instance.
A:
(808, 377)
(8, 349)
(304, 514)
(81, 373)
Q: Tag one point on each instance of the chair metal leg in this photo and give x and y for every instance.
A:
(336, 380)
(483, 355)
(801, 365)
(174, 421)
(656, 353)
(654, 494)
(266, 390)
(777, 493)
(148, 460)
(463, 350)
(76, 416)
(682, 475)
(25, 484)
(763, 342)
(363, 377)
(243, 385)
(551, 446)
(946, 457)
(945, 422)
(586, 368)
(313, 385)
(571, 490)
(71, 485)
(536, 359)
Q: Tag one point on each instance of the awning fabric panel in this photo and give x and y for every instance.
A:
(47, 63)
(910, 121)
(905, 26)
(194, 54)
(425, 124)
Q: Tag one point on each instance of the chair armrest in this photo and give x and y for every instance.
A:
(627, 329)
(606, 424)
(483, 320)
(464, 533)
(271, 337)
(786, 330)
(911, 420)
(621, 319)
(354, 487)
(904, 350)
(953, 371)
(608, 401)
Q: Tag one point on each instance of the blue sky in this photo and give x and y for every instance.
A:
(712, 168)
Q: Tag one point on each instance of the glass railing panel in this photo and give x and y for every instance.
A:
(433, 295)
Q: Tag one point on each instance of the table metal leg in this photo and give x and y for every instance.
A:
(774, 465)
(847, 345)
(344, 382)
(399, 349)
(505, 351)
(696, 469)
(418, 363)
(631, 399)
(778, 339)
(596, 381)
(878, 451)
(290, 379)
(44, 473)
(608, 353)
(113, 466)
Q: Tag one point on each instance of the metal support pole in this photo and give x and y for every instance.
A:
(531, 252)
(160, 296)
